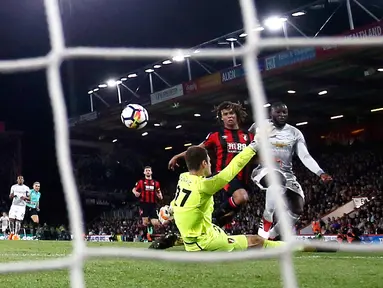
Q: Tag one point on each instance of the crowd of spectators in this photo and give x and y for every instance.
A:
(357, 171)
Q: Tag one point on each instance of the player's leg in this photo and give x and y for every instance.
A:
(12, 225)
(12, 220)
(294, 205)
(35, 218)
(20, 213)
(4, 231)
(217, 240)
(262, 180)
(237, 196)
(145, 209)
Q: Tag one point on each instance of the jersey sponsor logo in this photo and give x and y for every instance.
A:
(279, 144)
(235, 147)
(244, 137)
(149, 188)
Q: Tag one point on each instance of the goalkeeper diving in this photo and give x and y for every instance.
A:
(193, 203)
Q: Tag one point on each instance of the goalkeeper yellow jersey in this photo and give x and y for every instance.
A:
(194, 203)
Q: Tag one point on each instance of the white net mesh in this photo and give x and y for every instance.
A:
(52, 62)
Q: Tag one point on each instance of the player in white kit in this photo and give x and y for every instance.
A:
(4, 220)
(286, 142)
(19, 193)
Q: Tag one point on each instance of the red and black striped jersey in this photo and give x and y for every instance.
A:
(148, 189)
(227, 143)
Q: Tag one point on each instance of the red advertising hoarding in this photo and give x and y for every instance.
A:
(202, 84)
(372, 30)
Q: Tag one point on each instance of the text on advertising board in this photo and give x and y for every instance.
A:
(170, 93)
(289, 58)
(232, 74)
(204, 83)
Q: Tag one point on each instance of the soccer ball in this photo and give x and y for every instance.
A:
(134, 116)
(165, 214)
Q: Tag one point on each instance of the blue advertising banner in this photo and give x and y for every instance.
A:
(289, 57)
(239, 72)
(232, 74)
(372, 239)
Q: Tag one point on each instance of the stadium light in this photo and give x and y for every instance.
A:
(118, 82)
(133, 75)
(188, 144)
(149, 70)
(157, 66)
(178, 126)
(96, 89)
(90, 91)
(179, 58)
(111, 83)
(336, 117)
(301, 123)
(167, 62)
(275, 23)
(299, 13)
(197, 115)
(380, 69)
(376, 109)
(196, 51)
(231, 39)
(157, 124)
(114, 140)
(169, 148)
(324, 92)
(102, 85)
(259, 28)
(243, 35)
(267, 105)
(124, 79)
(145, 133)
(291, 91)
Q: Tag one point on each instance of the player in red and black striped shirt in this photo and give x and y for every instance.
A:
(148, 190)
(226, 143)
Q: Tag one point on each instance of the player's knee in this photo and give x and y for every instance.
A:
(240, 196)
(295, 202)
(265, 181)
(255, 241)
(297, 210)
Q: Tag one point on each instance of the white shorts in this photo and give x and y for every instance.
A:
(17, 212)
(291, 182)
(4, 228)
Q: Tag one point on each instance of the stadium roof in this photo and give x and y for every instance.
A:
(316, 84)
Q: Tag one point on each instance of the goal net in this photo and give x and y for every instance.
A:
(59, 53)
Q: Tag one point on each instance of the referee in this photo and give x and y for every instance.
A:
(34, 205)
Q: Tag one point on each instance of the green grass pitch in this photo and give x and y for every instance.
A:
(332, 270)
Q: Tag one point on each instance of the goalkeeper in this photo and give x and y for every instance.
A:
(193, 203)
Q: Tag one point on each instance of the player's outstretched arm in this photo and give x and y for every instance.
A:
(215, 183)
(308, 160)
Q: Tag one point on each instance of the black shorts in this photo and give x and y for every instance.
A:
(32, 211)
(149, 210)
(235, 185)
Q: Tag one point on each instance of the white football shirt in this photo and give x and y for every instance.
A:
(19, 191)
(4, 221)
